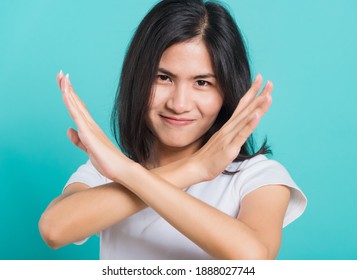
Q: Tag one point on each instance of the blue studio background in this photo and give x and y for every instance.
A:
(307, 48)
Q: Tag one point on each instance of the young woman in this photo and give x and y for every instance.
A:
(186, 183)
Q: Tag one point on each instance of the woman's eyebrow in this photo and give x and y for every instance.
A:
(167, 72)
(201, 76)
(205, 76)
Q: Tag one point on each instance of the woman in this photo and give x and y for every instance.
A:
(188, 184)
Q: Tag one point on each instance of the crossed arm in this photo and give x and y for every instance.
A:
(81, 211)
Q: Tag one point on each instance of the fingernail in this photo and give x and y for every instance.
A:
(269, 85)
(67, 77)
(65, 82)
(69, 81)
(257, 77)
(61, 72)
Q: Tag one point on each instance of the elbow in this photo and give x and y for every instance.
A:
(49, 232)
(259, 252)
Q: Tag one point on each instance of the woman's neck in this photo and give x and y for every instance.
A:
(163, 155)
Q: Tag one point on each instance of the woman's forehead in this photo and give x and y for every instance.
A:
(189, 57)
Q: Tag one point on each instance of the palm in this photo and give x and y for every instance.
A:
(90, 138)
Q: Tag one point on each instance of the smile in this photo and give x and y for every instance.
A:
(177, 121)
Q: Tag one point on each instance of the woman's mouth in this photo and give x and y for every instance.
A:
(177, 121)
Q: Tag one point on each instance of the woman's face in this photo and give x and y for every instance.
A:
(186, 98)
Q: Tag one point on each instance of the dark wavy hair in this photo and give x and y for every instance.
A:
(170, 22)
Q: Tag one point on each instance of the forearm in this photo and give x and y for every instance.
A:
(87, 212)
(220, 235)
(81, 212)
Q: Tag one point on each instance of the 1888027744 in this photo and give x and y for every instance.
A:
(222, 270)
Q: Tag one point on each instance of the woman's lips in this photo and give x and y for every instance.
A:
(177, 121)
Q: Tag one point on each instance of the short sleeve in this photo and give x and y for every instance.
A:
(260, 171)
(89, 175)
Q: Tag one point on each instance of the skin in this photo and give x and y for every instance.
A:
(185, 103)
(82, 211)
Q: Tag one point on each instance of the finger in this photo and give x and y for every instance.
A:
(73, 136)
(248, 125)
(259, 100)
(72, 106)
(59, 77)
(79, 103)
(246, 131)
(72, 99)
(254, 105)
(267, 90)
(79, 113)
(250, 94)
(265, 105)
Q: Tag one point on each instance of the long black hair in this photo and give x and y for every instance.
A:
(170, 22)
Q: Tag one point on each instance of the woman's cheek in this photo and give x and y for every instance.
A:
(210, 104)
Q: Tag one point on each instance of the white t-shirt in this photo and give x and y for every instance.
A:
(146, 235)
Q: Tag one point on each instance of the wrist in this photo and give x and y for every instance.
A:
(126, 172)
(182, 173)
(196, 167)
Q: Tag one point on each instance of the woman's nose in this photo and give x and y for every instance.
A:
(180, 100)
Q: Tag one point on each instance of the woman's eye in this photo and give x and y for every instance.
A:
(202, 83)
(164, 78)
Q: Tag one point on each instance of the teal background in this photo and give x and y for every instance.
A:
(307, 48)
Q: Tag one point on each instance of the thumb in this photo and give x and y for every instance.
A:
(73, 136)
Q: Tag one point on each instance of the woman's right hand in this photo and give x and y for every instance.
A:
(90, 138)
(224, 146)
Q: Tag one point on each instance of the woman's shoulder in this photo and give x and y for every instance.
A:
(260, 171)
(255, 164)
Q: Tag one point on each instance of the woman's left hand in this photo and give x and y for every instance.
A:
(90, 138)
(225, 145)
